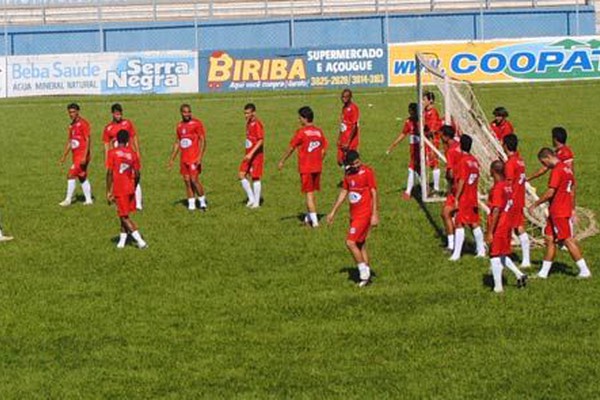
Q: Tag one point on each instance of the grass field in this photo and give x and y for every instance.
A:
(239, 303)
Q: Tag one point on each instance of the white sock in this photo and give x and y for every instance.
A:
(202, 200)
(364, 271)
(138, 196)
(87, 190)
(246, 185)
(546, 265)
(71, 184)
(459, 240)
(450, 242)
(508, 263)
(496, 265)
(257, 189)
(583, 268)
(479, 243)
(122, 240)
(436, 179)
(138, 238)
(524, 239)
(1, 233)
(192, 203)
(410, 181)
(314, 219)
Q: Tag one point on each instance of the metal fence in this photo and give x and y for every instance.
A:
(273, 23)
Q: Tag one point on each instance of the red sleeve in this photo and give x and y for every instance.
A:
(345, 183)
(509, 172)
(407, 127)
(555, 178)
(496, 200)
(201, 130)
(86, 129)
(105, 137)
(371, 180)
(109, 160)
(296, 140)
(132, 130)
(259, 130)
(355, 114)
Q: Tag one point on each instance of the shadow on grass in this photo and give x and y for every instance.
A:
(300, 217)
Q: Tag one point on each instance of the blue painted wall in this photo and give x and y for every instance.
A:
(302, 32)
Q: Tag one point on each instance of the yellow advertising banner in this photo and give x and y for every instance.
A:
(501, 60)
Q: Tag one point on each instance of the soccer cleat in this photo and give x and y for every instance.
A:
(480, 255)
(498, 290)
(522, 281)
(65, 203)
(191, 207)
(6, 238)
(584, 276)
(249, 204)
(255, 206)
(88, 203)
(143, 245)
(120, 245)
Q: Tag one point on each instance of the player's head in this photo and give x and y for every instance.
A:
(117, 111)
(73, 110)
(306, 115)
(249, 111)
(186, 112)
(559, 135)
(510, 142)
(351, 162)
(428, 98)
(466, 142)
(122, 137)
(346, 96)
(497, 170)
(500, 113)
(413, 110)
(547, 157)
(448, 133)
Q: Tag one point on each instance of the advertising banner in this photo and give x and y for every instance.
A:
(285, 69)
(103, 73)
(2, 77)
(502, 60)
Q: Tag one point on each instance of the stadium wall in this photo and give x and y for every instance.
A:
(299, 32)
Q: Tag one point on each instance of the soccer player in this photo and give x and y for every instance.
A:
(516, 178)
(349, 126)
(453, 155)
(500, 125)
(109, 137)
(559, 227)
(191, 141)
(79, 143)
(122, 175)
(410, 130)
(432, 124)
(312, 147)
(361, 189)
(466, 200)
(252, 164)
(563, 152)
(500, 226)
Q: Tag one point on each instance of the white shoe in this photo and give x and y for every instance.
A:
(120, 246)
(249, 203)
(6, 238)
(143, 245)
(584, 276)
(65, 203)
(525, 265)
(453, 259)
(538, 276)
(139, 208)
(498, 290)
(363, 283)
(191, 207)
(88, 203)
(254, 206)
(480, 255)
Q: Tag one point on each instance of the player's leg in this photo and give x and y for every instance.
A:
(576, 254)
(479, 240)
(138, 196)
(123, 235)
(508, 263)
(257, 189)
(496, 267)
(245, 182)
(548, 257)
(135, 233)
(447, 214)
(199, 190)
(256, 171)
(71, 185)
(86, 187)
(410, 184)
(189, 191)
(363, 269)
(524, 241)
(436, 179)
(459, 240)
(311, 206)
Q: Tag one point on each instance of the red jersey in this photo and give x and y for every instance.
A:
(109, 135)
(502, 129)
(514, 170)
(431, 120)
(500, 197)
(123, 162)
(310, 142)
(79, 136)
(565, 154)
(563, 182)
(468, 171)
(359, 187)
(453, 156)
(349, 124)
(254, 133)
(411, 128)
(189, 134)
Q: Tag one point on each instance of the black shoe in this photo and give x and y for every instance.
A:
(522, 282)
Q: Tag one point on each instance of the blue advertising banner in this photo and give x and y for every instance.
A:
(286, 69)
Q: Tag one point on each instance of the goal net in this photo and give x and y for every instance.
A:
(462, 110)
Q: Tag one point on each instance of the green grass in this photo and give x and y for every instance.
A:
(237, 303)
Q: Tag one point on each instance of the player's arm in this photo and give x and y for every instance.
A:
(285, 156)
(65, 151)
(538, 173)
(135, 143)
(546, 197)
(375, 210)
(324, 149)
(254, 149)
(109, 186)
(396, 142)
(459, 190)
(174, 152)
(495, 217)
(202, 147)
(336, 206)
(88, 149)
